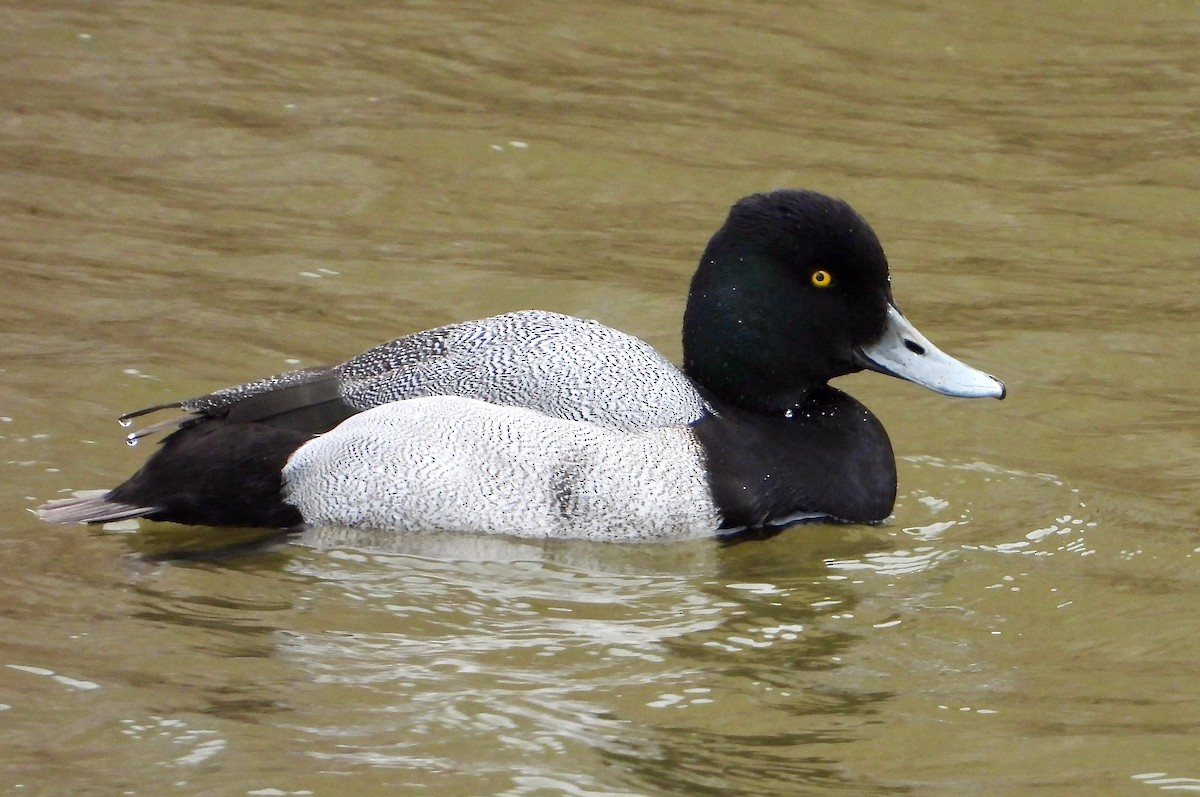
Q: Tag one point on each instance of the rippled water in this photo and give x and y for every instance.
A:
(198, 194)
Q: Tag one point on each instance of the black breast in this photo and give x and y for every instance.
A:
(830, 456)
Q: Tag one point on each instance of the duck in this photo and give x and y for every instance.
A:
(541, 425)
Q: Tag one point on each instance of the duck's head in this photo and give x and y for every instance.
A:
(793, 291)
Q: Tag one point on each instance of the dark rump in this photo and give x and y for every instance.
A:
(211, 473)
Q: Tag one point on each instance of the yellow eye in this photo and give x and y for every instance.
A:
(822, 278)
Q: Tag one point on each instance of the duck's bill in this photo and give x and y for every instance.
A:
(905, 353)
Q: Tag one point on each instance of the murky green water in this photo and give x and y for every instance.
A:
(198, 194)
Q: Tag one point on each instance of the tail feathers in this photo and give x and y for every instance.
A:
(169, 425)
(90, 509)
(214, 473)
(308, 400)
(128, 417)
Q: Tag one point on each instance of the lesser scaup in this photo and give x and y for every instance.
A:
(543, 425)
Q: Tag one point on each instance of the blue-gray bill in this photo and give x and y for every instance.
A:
(902, 351)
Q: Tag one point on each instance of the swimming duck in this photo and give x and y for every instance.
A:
(542, 425)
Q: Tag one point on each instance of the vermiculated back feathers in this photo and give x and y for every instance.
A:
(561, 366)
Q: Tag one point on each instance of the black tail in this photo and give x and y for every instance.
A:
(212, 473)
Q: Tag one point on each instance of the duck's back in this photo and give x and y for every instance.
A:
(558, 365)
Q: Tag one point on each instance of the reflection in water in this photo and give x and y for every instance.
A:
(237, 623)
(776, 663)
(646, 666)
(424, 645)
(1166, 782)
(946, 531)
(184, 744)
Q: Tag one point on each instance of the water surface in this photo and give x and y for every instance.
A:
(198, 194)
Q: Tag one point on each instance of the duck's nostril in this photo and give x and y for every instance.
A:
(913, 346)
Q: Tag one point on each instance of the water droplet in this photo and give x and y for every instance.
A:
(125, 422)
(131, 439)
(788, 413)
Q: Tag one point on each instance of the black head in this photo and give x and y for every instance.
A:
(785, 292)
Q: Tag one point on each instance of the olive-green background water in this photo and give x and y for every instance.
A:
(196, 194)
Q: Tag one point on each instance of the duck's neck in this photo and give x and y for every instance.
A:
(830, 456)
(749, 369)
